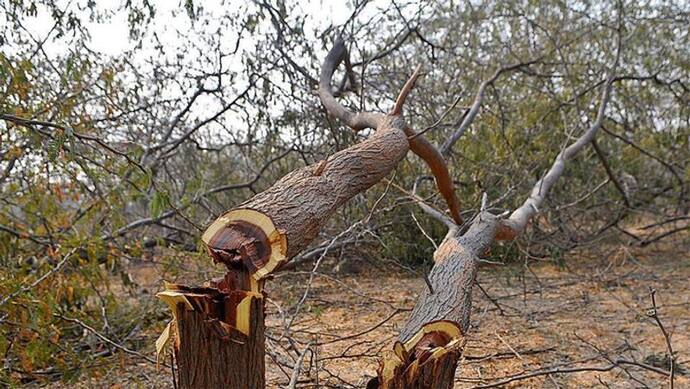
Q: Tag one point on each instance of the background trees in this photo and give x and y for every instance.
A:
(105, 155)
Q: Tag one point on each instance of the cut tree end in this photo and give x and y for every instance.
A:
(228, 307)
(246, 238)
(425, 361)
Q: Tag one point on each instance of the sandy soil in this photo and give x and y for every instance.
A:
(585, 316)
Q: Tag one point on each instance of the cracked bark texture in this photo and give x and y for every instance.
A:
(301, 202)
(209, 356)
(455, 267)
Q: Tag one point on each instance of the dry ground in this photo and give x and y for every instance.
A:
(589, 315)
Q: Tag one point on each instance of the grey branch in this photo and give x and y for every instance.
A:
(357, 121)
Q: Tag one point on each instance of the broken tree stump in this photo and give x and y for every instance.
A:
(219, 329)
(427, 361)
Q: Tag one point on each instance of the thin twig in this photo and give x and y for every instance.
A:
(106, 339)
(653, 313)
(40, 279)
(298, 367)
(537, 373)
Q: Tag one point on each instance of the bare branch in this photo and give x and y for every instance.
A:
(356, 121)
(436, 214)
(616, 363)
(407, 88)
(653, 313)
(298, 367)
(437, 164)
(609, 172)
(520, 217)
(469, 117)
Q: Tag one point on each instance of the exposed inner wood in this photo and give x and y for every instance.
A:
(242, 242)
(245, 238)
(275, 225)
(218, 331)
(428, 360)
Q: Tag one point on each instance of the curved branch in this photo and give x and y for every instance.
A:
(356, 121)
(477, 103)
(520, 217)
(426, 151)
(402, 96)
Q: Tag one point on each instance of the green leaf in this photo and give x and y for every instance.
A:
(159, 202)
(56, 144)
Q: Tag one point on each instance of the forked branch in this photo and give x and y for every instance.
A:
(520, 217)
(477, 103)
(361, 120)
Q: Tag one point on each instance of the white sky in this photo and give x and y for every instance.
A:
(112, 38)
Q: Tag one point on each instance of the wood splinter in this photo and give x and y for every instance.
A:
(218, 321)
(426, 361)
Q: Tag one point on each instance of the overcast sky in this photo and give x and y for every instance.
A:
(112, 37)
(170, 24)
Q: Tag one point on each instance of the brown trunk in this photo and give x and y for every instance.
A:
(452, 277)
(218, 332)
(209, 356)
(424, 361)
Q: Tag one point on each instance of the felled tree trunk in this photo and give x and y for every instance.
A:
(219, 329)
(431, 342)
(296, 207)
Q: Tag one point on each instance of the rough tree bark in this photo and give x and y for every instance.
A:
(218, 329)
(424, 359)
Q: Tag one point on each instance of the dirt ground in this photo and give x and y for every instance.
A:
(584, 324)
